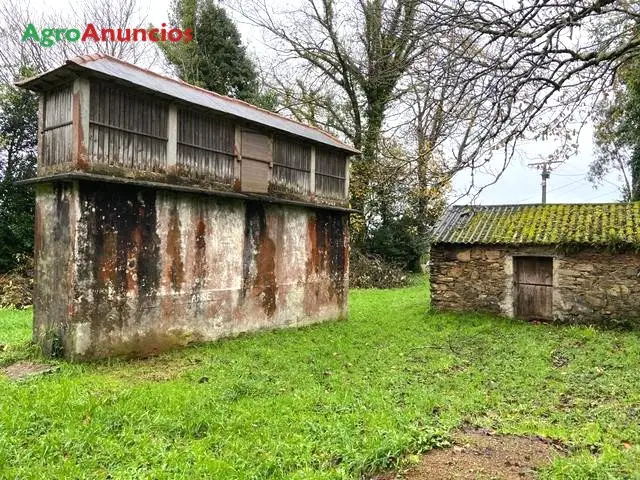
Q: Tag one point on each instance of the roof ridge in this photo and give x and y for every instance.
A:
(82, 59)
(540, 204)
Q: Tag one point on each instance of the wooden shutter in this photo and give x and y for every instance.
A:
(256, 162)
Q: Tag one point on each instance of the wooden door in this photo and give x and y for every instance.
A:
(533, 287)
(256, 162)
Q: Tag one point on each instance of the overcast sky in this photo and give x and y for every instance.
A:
(518, 184)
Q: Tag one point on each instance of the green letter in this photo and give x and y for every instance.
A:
(30, 33)
(72, 35)
(48, 34)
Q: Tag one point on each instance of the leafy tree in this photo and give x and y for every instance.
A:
(215, 59)
(409, 195)
(617, 134)
(18, 145)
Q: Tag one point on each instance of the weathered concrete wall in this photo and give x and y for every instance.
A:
(137, 271)
(589, 286)
(55, 236)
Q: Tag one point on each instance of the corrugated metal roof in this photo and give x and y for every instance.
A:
(115, 68)
(550, 224)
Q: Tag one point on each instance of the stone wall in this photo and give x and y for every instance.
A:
(589, 286)
(127, 270)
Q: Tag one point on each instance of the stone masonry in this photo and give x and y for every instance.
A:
(590, 286)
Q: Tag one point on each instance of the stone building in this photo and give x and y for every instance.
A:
(167, 214)
(576, 263)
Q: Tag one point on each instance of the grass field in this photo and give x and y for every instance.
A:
(327, 402)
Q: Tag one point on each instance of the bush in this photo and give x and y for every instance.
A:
(372, 271)
(16, 287)
(398, 241)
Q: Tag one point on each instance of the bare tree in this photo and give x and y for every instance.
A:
(543, 64)
(475, 76)
(16, 15)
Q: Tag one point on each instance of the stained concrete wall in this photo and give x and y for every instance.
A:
(590, 286)
(127, 270)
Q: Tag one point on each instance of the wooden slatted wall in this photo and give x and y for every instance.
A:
(56, 127)
(330, 173)
(127, 129)
(291, 165)
(205, 144)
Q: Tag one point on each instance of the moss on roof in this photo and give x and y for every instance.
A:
(607, 224)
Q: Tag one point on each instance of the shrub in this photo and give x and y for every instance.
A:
(372, 271)
(398, 241)
(16, 287)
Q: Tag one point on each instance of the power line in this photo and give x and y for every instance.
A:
(601, 195)
(553, 190)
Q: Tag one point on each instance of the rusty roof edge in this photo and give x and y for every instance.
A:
(70, 176)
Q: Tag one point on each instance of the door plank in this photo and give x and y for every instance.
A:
(534, 302)
(534, 270)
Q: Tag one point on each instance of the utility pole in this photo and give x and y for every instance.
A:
(545, 172)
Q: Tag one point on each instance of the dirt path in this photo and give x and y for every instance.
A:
(478, 454)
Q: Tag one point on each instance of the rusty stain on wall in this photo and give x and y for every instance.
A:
(175, 272)
(259, 250)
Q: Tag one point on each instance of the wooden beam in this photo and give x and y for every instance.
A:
(40, 132)
(346, 177)
(172, 137)
(80, 120)
(312, 173)
(237, 151)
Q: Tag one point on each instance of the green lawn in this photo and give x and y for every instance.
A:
(330, 401)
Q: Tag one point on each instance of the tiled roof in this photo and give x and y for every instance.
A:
(606, 224)
(108, 66)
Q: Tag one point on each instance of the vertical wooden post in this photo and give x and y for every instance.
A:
(41, 113)
(312, 173)
(172, 138)
(237, 150)
(346, 177)
(80, 120)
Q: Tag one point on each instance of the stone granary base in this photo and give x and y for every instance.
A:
(130, 270)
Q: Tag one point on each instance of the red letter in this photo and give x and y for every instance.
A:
(175, 35)
(90, 32)
(142, 32)
(188, 35)
(111, 33)
(153, 34)
(122, 38)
